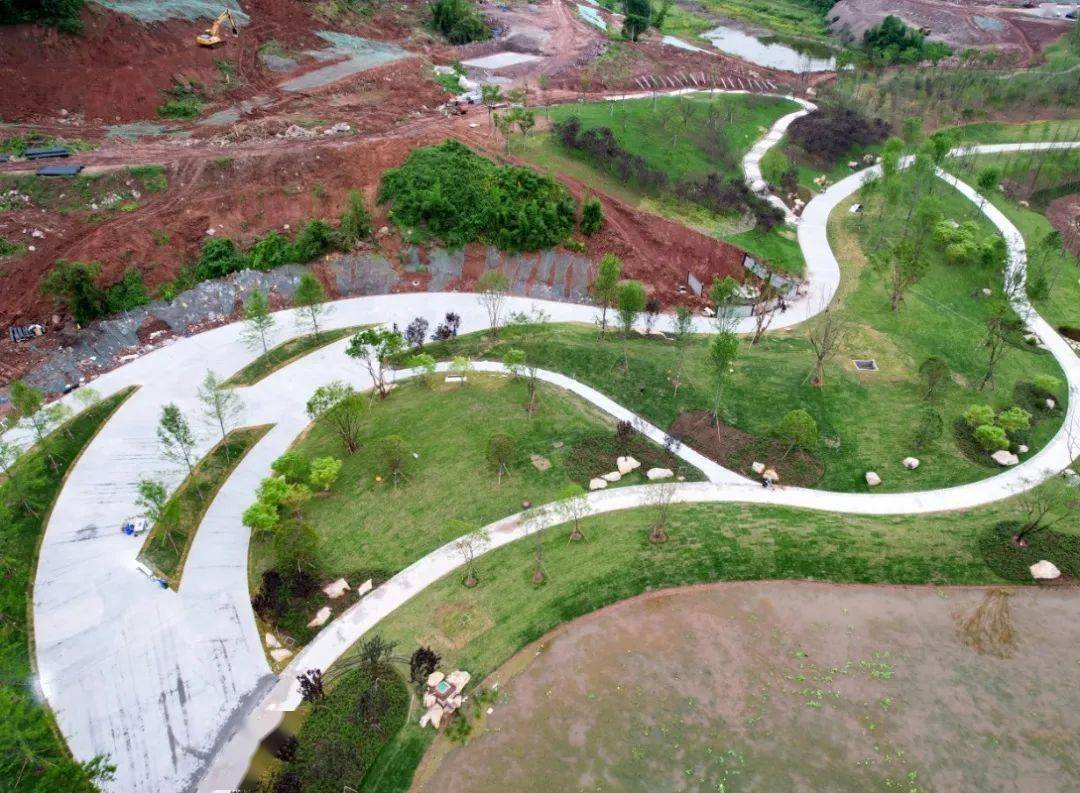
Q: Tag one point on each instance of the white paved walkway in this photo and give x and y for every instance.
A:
(166, 682)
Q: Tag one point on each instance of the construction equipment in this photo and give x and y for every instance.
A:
(211, 37)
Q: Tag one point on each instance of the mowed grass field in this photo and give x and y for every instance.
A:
(449, 487)
(687, 138)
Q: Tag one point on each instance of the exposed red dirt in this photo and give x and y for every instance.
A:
(1064, 215)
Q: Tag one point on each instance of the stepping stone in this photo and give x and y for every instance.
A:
(757, 468)
(280, 654)
(659, 473)
(336, 589)
(539, 462)
(627, 464)
(320, 618)
(1005, 457)
(272, 641)
(364, 588)
(597, 484)
(614, 476)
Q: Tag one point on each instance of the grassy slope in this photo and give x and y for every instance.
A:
(366, 525)
(871, 415)
(1062, 305)
(995, 132)
(166, 547)
(285, 353)
(30, 746)
(479, 629)
(659, 135)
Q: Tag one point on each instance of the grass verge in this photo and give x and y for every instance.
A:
(166, 546)
(33, 755)
(285, 353)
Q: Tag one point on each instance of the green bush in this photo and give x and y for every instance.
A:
(184, 103)
(1047, 383)
(314, 239)
(592, 216)
(272, 250)
(929, 428)
(293, 466)
(220, 257)
(355, 220)
(1015, 419)
(991, 437)
(127, 293)
(74, 284)
(458, 21)
(978, 415)
(459, 197)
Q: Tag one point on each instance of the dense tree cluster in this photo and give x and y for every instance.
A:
(459, 197)
(60, 14)
(458, 21)
(831, 130)
(893, 42)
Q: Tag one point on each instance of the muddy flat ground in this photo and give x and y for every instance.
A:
(786, 686)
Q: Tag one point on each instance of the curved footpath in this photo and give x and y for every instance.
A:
(174, 686)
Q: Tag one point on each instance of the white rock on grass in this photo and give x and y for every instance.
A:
(627, 464)
(911, 463)
(872, 479)
(280, 654)
(757, 468)
(597, 484)
(659, 473)
(364, 588)
(1044, 571)
(336, 589)
(1022, 448)
(613, 476)
(272, 641)
(1005, 457)
(320, 618)
(771, 475)
(1050, 404)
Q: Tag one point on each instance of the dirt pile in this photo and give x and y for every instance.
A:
(1064, 215)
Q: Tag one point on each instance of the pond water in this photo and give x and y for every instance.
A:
(771, 54)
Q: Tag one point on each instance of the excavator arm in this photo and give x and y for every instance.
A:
(212, 36)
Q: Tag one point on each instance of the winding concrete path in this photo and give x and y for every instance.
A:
(174, 686)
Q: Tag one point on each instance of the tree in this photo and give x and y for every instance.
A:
(991, 437)
(342, 408)
(296, 496)
(27, 402)
(682, 325)
(1014, 420)
(324, 473)
(637, 18)
(258, 322)
(355, 221)
(416, 333)
(514, 361)
(293, 466)
(996, 344)
(722, 351)
(394, 457)
(929, 428)
(934, 373)
(422, 663)
(661, 14)
(460, 365)
(797, 428)
(724, 294)
(375, 347)
(425, 364)
(1044, 506)
(221, 406)
(153, 500)
(261, 517)
(176, 438)
(74, 285)
(501, 450)
(592, 216)
(310, 303)
(604, 287)
(826, 334)
(573, 507)
(659, 498)
(311, 685)
(296, 546)
(630, 301)
(492, 288)
(490, 95)
(902, 267)
(448, 328)
(988, 181)
(13, 474)
(468, 547)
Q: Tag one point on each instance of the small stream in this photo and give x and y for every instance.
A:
(772, 53)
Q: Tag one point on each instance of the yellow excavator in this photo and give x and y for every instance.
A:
(212, 37)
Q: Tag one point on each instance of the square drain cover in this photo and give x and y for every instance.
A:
(866, 365)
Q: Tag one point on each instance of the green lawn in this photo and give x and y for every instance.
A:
(713, 136)
(369, 528)
(999, 132)
(1060, 305)
(479, 629)
(33, 755)
(793, 21)
(285, 353)
(167, 544)
(866, 420)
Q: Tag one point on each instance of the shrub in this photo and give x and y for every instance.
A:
(978, 415)
(74, 284)
(1047, 383)
(184, 103)
(834, 128)
(637, 16)
(893, 42)
(592, 216)
(458, 21)
(314, 239)
(272, 250)
(929, 428)
(355, 220)
(219, 257)
(797, 428)
(127, 293)
(991, 437)
(934, 373)
(324, 472)
(454, 194)
(1013, 420)
(293, 466)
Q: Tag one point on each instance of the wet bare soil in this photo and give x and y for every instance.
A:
(786, 686)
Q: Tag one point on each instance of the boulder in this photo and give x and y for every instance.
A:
(1022, 448)
(911, 463)
(987, 291)
(1005, 457)
(336, 589)
(280, 654)
(1044, 571)
(872, 479)
(659, 473)
(627, 464)
(320, 618)
(364, 588)
(597, 484)
(757, 468)
(613, 476)
(1050, 404)
(271, 641)
(771, 475)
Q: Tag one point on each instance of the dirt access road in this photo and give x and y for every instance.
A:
(784, 686)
